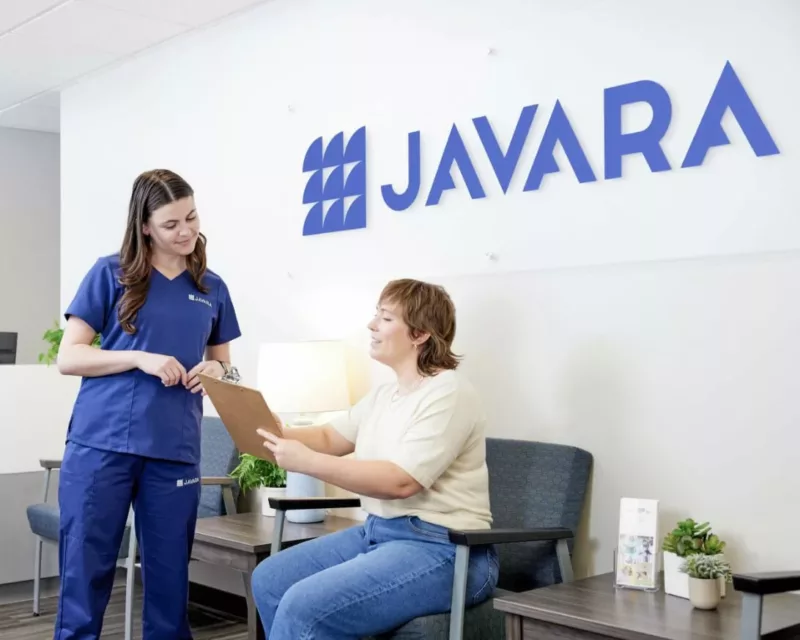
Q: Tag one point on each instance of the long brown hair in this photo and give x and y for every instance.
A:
(151, 190)
(426, 308)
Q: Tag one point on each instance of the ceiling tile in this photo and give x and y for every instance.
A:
(84, 26)
(47, 64)
(48, 44)
(32, 116)
(186, 12)
(50, 99)
(17, 87)
(73, 40)
(15, 12)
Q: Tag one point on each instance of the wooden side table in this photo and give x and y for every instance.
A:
(593, 609)
(243, 540)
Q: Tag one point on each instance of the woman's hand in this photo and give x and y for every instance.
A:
(167, 368)
(211, 368)
(291, 455)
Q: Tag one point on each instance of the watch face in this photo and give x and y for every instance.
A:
(232, 375)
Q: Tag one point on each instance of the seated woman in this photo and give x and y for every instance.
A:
(420, 469)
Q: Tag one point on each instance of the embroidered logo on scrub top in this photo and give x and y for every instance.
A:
(195, 298)
(187, 482)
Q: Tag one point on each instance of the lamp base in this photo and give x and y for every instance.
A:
(299, 485)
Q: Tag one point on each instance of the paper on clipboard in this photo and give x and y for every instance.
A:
(242, 411)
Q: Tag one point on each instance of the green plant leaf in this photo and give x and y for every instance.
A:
(689, 537)
(53, 338)
(707, 567)
(253, 472)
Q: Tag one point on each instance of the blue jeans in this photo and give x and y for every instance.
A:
(366, 580)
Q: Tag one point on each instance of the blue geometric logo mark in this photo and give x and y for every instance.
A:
(337, 186)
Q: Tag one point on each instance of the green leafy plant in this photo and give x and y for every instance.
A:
(689, 538)
(707, 567)
(253, 472)
(53, 338)
(713, 546)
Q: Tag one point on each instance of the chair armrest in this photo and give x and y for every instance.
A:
(499, 536)
(466, 539)
(214, 480)
(50, 464)
(764, 584)
(293, 504)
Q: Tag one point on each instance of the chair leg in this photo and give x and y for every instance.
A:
(752, 608)
(458, 602)
(130, 582)
(37, 575)
(228, 501)
(277, 531)
(564, 562)
(129, 587)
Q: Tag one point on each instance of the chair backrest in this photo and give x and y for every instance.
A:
(8, 347)
(218, 457)
(534, 484)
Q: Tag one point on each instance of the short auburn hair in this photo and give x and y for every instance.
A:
(426, 308)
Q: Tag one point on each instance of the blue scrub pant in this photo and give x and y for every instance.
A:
(96, 489)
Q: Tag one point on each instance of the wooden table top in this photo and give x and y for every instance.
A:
(252, 532)
(595, 605)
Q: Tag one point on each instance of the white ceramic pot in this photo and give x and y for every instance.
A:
(675, 582)
(704, 594)
(263, 494)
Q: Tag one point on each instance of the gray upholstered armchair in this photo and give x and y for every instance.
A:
(217, 497)
(537, 496)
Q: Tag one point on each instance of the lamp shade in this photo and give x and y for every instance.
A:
(304, 377)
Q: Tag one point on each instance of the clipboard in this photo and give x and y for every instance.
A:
(242, 411)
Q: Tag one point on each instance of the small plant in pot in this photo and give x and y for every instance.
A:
(705, 574)
(262, 477)
(688, 538)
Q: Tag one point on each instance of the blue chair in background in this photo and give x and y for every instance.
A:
(218, 496)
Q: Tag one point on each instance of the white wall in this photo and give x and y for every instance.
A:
(29, 237)
(35, 406)
(650, 319)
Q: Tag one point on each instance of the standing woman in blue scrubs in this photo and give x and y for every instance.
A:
(134, 435)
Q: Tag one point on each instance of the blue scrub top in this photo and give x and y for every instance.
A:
(133, 412)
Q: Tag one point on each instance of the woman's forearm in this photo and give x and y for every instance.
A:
(319, 439)
(313, 437)
(374, 478)
(87, 361)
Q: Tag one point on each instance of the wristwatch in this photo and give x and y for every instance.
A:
(231, 373)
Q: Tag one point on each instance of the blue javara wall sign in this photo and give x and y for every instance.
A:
(340, 204)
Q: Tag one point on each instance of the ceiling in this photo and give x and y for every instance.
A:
(46, 45)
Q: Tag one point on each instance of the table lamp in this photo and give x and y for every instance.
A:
(304, 379)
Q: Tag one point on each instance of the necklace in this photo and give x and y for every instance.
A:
(397, 395)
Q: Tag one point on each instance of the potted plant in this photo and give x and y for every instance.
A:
(261, 477)
(688, 538)
(53, 338)
(705, 572)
